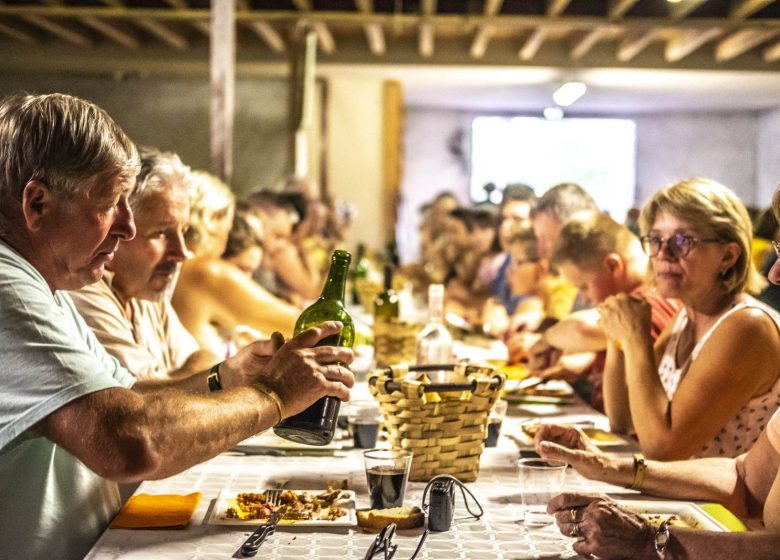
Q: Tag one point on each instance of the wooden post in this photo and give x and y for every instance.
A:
(222, 90)
(302, 92)
(392, 137)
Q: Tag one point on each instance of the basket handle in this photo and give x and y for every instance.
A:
(434, 387)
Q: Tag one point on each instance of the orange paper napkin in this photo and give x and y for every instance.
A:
(149, 511)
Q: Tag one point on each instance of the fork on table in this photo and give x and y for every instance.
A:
(252, 544)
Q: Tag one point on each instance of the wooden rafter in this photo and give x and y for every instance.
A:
(772, 53)
(302, 5)
(428, 7)
(686, 42)
(269, 35)
(533, 43)
(17, 35)
(492, 7)
(589, 40)
(741, 41)
(202, 26)
(480, 42)
(162, 32)
(111, 31)
(619, 7)
(746, 8)
(375, 35)
(425, 40)
(556, 7)
(324, 38)
(635, 43)
(59, 30)
(680, 10)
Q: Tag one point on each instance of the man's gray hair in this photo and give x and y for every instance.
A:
(62, 141)
(159, 172)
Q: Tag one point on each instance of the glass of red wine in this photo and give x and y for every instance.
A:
(387, 471)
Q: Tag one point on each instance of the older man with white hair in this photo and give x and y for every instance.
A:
(73, 422)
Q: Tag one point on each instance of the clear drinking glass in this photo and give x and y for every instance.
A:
(387, 471)
(363, 420)
(540, 481)
(494, 423)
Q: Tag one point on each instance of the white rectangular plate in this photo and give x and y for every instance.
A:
(227, 498)
(688, 512)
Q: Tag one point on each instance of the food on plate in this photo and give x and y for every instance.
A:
(301, 506)
(403, 517)
(530, 428)
(656, 519)
(601, 436)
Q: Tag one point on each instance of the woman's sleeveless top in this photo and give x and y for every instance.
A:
(742, 431)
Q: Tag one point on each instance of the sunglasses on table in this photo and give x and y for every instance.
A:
(677, 245)
(383, 544)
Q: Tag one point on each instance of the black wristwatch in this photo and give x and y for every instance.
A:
(661, 539)
(213, 379)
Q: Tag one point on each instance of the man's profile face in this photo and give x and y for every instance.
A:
(79, 236)
(515, 217)
(145, 267)
(546, 229)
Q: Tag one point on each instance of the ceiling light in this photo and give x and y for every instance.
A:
(553, 113)
(568, 93)
(674, 1)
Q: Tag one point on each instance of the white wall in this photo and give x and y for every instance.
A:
(768, 157)
(354, 156)
(719, 146)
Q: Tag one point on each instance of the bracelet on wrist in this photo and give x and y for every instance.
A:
(273, 395)
(661, 540)
(640, 467)
(213, 380)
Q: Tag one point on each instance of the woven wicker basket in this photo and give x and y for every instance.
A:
(395, 342)
(443, 424)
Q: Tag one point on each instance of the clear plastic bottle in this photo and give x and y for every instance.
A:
(434, 343)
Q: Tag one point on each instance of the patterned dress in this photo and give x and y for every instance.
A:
(742, 431)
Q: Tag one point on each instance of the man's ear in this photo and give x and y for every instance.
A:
(614, 264)
(37, 203)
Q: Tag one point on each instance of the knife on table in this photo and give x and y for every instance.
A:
(252, 544)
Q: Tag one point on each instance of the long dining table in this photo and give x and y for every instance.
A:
(498, 534)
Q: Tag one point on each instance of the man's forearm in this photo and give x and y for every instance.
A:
(189, 429)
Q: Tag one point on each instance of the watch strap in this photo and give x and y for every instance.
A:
(640, 467)
(661, 540)
(213, 380)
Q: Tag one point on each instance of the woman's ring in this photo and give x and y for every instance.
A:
(573, 512)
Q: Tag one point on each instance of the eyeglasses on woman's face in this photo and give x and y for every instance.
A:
(776, 247)
(677, 246)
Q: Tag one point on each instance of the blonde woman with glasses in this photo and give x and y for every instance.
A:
(711, 381)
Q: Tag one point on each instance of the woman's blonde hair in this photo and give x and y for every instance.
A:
(209, 197)
(709, 206)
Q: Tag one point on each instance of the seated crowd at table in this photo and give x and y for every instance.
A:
(130, 284)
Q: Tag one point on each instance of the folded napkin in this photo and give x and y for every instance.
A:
(149, 511)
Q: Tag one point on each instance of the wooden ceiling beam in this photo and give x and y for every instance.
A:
(742, 9)
(680, 10)
(375, 35)
(428, 7)
(426, 40)
(17, 35)
(164, 34)
(324, 37)
(772, 53)
(740, 42)
(589, 40)
(480, 42)
(302, 5)
(59, 30)
(533, 43)
(269, 35)
(493, 7)
(635, 43)
(685, 42)
(619, 7)
(557, 7)
(111, 31)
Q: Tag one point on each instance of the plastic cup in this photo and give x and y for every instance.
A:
(540, 481)
(387, 471)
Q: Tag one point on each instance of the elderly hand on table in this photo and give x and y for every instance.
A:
(570, 445)
(297, 370)
(624, 316)
(603, 528)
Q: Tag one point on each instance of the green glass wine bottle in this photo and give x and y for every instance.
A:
(317, 424)
(386, 303)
